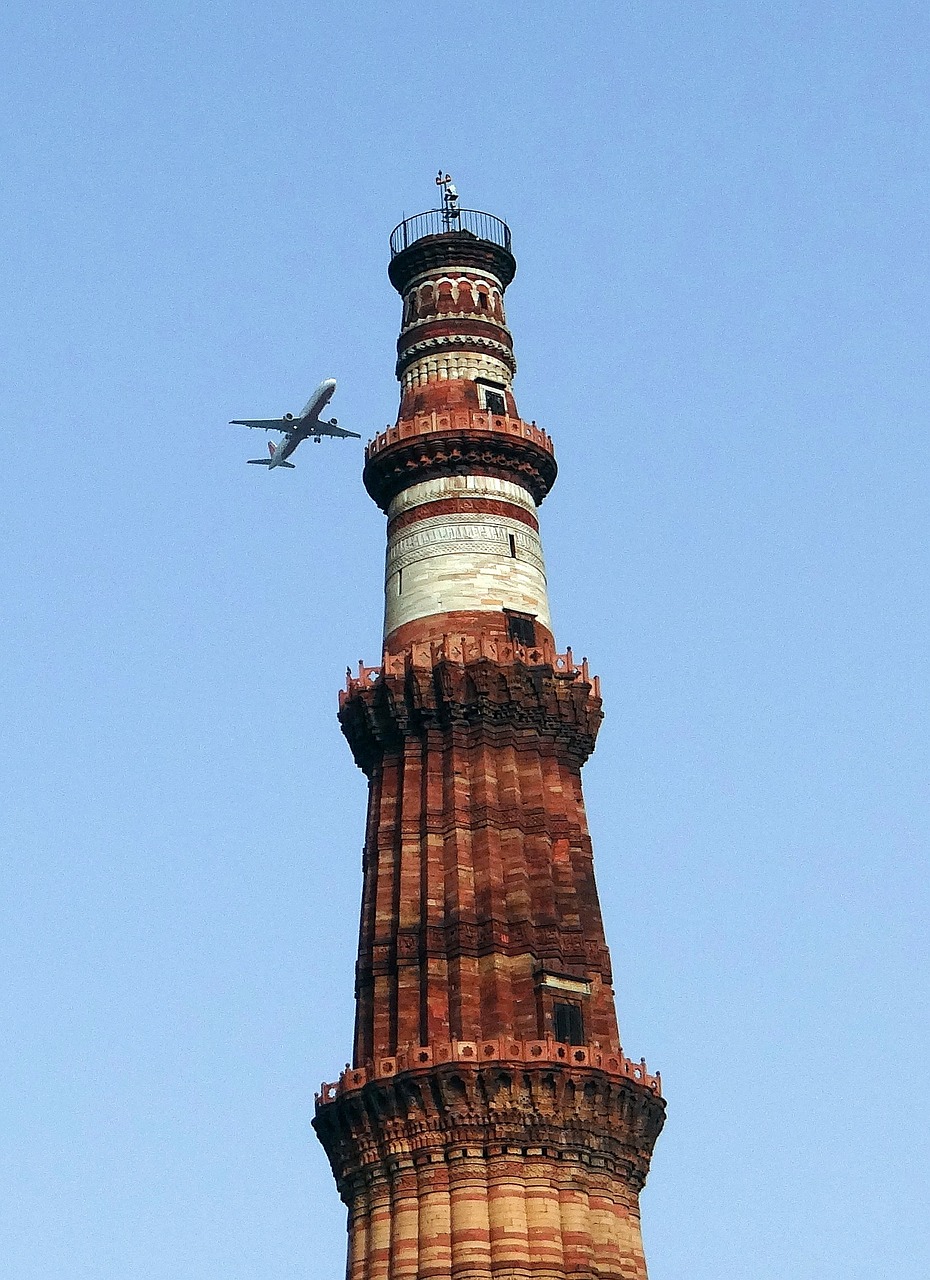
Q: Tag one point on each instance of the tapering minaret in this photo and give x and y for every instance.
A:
(490, 1127)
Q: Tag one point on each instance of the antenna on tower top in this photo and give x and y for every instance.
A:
(450, 199)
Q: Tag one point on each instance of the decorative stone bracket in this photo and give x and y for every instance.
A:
(456, 683)
(499, 1050)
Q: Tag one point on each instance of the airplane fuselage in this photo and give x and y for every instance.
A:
(283, 448)
(304, 425)
(319, 400)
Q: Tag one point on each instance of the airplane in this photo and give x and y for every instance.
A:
(294, 430)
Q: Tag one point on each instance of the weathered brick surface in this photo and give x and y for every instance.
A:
(492, 626)
(478, 869)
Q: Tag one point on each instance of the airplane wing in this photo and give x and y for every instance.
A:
(265, 424)
(330, 429)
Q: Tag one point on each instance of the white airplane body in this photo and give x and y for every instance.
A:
(294, 430)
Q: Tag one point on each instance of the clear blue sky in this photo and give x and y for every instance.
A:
(721, 315)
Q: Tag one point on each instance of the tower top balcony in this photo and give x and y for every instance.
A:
(450, 237)
(471, 223)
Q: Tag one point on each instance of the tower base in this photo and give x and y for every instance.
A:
(497, 1169)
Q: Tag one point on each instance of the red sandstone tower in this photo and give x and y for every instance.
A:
(490, 1127)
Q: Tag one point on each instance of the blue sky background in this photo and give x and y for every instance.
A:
(721, 315)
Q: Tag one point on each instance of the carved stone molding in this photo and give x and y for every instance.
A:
(459, 505)
(606, 1121)
(489, 937)
(459, 250)
(458, 453)
(466, 341)
(531, 707)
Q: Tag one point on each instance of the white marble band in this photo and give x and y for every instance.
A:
(472, 561)
(440, 365)
(470, 532)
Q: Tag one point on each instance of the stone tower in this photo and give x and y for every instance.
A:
(490, 1126)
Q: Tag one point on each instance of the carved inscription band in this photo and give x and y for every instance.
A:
(467, 486)
(470, 534)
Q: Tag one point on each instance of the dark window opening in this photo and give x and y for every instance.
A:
(568, 1022)
(483, 301)
(400, 581)
(513, 546)
(521, 629)
(492, 395)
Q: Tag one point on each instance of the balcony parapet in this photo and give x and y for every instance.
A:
(467, 223)
(461, 649)
(461, 420)
(458, 442)
(478, 1052)
(434, 240)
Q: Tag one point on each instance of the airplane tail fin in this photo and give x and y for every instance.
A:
(271, 448)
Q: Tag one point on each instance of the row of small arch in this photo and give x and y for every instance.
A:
(450, 295)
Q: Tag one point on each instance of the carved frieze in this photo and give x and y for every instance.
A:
(485, 699)
(605, 1121)
(426, 457)
(480, 938)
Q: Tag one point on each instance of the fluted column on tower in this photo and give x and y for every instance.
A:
(490, 1124)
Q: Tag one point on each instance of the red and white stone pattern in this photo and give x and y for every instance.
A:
(463, 543)
(454, 329)
(439, 363)
(469, 1140)
(429, 295)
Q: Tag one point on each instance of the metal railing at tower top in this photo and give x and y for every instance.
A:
(440, 222)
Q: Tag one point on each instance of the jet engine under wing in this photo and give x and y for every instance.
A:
(266, 424)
